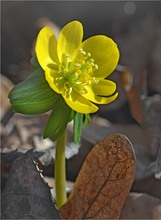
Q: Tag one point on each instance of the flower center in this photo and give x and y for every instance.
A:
(76, 74)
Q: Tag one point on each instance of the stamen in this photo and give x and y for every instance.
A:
(79, 72)
(66, 85)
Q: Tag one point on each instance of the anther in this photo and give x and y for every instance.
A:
(91, 60)
(81, 51)
(77, 65)
(83, 91)
(95, 67)
(58, 79)
(75, 75)
(78, 82)
(95, 80)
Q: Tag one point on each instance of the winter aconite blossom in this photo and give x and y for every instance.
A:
(77, 70)
(68, 77)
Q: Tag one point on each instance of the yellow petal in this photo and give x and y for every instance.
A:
(104, 87)
(46, 47)
(49, 76)
(105, 53)
(80, 104)
(70, 39)
(90, 95)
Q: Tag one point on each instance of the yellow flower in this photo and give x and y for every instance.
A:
(76, 69)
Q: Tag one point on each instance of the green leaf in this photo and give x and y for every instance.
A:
(58, 120)
(33, 95)
(86, 119)
(72, 115)
(78, 120)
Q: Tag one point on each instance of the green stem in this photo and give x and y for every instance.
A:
(60, 171)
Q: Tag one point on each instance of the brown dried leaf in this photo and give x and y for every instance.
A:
(146, 110)
(103, 182)
(134, 92)
(26, 195)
